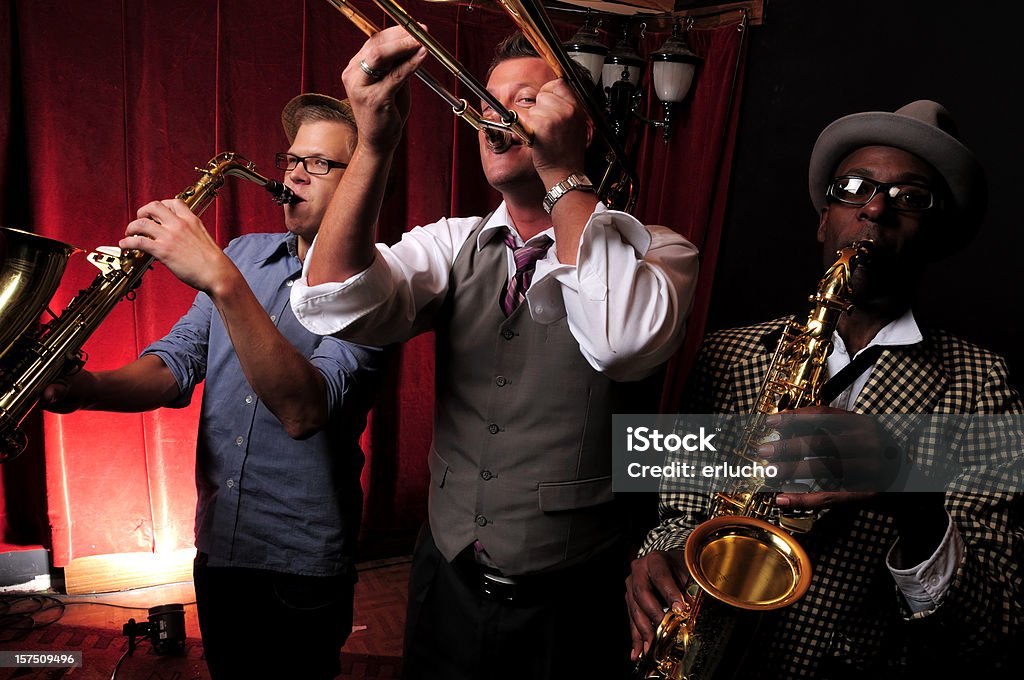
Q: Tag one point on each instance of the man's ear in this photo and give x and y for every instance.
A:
(822, 219)
(590, 131)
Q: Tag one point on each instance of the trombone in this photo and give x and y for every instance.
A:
(618, 185)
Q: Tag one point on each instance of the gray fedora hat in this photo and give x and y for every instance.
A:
(291, 125)
(923, 128)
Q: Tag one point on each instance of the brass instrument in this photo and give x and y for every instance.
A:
(618, 185)
(744, 556)
(33, 355)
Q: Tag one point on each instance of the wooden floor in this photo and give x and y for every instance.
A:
(377, 623)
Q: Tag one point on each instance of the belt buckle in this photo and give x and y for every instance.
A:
(498, 587)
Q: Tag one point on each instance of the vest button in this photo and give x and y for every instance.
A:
(508, 334)
(486, 475)
(501, 381)
(481, 521)
(493, 429)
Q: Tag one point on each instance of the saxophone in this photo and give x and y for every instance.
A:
(744, 556)
(34, 354)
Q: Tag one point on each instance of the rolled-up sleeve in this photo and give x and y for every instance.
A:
(393, 299)
(184, 350)
(347, 369)
(330, 307)
(627, 299)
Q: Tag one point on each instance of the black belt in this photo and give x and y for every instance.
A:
(493, 585)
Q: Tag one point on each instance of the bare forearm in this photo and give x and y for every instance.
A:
(345, 241)
(143, 385)
(285, 380)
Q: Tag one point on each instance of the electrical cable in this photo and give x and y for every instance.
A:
(21, 614)
(116, 606)
(127, 653)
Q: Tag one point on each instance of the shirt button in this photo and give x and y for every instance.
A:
(486, 475)
(481, 520)
(239, 440)
(248, 399)
(273, 317)
(501, 381)
(508, 334)
(493, 429)
(539, 309)
(231, 483)
(933, 580)
(289, 283)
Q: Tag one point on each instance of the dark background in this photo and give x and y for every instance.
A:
(814, 61)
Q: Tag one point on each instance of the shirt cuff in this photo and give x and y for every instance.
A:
(924, 585)
(671, 540)
(330, 307)
(589, 277)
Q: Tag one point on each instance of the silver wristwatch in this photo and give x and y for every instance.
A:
(576, 180)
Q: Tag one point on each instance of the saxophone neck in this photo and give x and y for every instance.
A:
(200, 195)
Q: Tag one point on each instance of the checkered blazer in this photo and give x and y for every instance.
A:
(853, 616)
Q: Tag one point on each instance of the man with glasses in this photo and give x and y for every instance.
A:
(278, 458)
(902, 582)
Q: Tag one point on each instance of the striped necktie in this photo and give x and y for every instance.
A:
(526, 261)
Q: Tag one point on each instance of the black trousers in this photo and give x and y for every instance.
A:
(265, 624)
(570, 624)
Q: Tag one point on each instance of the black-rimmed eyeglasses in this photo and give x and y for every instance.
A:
(859, 191)
(314, 165)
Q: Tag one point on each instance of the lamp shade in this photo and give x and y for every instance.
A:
(586, 49)
(673, 68)
(622, 58)
(672, 80)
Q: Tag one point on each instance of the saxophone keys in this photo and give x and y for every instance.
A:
(106, 258)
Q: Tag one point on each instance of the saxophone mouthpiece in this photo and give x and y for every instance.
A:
(282, 195)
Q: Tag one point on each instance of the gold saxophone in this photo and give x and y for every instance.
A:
(744, 556)
(34, 354)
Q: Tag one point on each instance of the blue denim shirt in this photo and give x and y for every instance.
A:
(266, 500)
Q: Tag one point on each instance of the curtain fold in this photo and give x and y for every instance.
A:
(112, 103)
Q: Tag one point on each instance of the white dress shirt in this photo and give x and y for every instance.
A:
(626, 299)
(922, 585)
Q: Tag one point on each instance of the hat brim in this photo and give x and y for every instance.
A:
(311, 99)
(951, 159)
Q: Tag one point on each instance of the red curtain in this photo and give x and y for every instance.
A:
(110, 104)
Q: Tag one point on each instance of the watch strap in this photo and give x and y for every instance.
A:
(577, 181)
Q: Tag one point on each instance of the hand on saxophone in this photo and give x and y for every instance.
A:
(654, 583)
(850, 453)
(70, 393)
(376, 83)
(169, 231)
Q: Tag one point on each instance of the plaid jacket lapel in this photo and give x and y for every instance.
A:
(749, 374)
(907, 380)
(904, 380)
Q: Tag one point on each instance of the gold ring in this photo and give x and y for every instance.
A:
(373, 73)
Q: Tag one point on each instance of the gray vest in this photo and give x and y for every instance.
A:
(521, 458)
